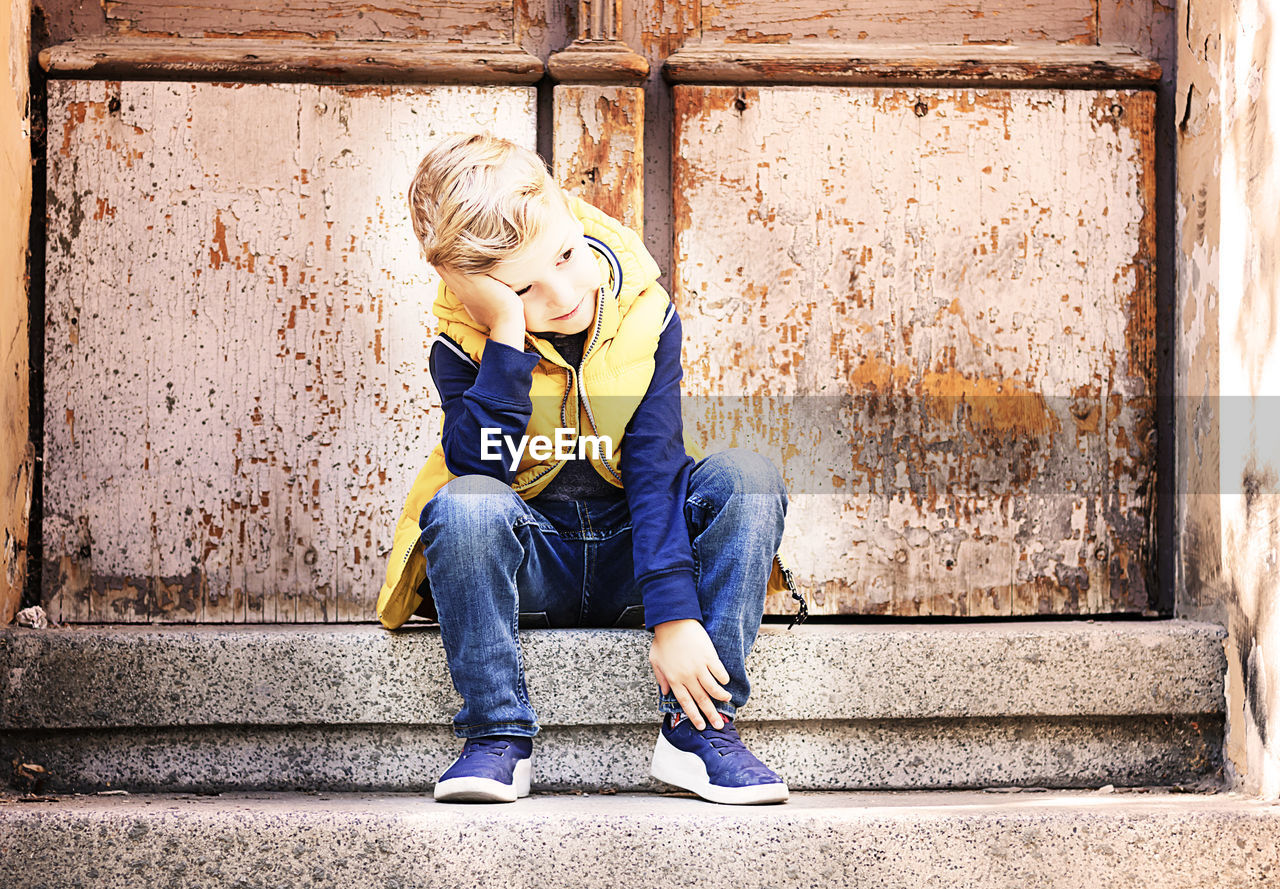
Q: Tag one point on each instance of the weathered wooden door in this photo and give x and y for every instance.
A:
(920, 277)
(936, 309)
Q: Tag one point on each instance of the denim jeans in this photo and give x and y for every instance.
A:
(492, 557)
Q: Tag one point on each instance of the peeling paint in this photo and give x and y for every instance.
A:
(598, 152)
(244, 374)
(477, 21)
(786, 21)
(967, 356)
(1228, 361)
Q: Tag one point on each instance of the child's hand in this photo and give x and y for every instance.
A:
(489, 302)
(686, 664)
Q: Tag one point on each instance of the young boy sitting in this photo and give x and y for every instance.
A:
(563, 488)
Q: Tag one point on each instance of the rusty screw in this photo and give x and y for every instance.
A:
(1117, 111)
(1100, 553)
(921, 108)
(310, 556)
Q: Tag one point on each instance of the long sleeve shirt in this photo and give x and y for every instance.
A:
(655, 468)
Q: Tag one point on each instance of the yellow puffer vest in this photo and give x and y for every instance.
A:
(617, 367)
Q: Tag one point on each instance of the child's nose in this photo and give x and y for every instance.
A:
(565, 297)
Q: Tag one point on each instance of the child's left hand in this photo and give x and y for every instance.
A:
(685, 662)
(489, 302)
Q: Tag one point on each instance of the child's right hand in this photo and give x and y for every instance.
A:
(686, 665)
(489, 302)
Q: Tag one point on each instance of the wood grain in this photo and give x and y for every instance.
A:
(599, 147)
(274, 61)
(948, 21)
(1145, 25)
(476, 21)
(915, 63)
(598, 62)
(17, 454)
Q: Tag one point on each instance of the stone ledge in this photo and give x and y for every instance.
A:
(829, 755)
(160, 676)
(1060, 839)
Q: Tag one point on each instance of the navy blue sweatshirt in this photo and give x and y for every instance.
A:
(655, 467)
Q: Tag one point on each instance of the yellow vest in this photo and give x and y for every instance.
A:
(617, 367)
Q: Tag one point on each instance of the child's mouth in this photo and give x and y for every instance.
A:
(571, 312)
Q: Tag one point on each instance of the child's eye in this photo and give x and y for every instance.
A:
(564, 257)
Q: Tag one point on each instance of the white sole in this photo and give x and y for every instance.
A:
(486, 790)
(686, 771)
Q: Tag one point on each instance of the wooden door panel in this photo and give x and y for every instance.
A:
(475, 21)
(787, 21)
(237, 321)
(934, 309)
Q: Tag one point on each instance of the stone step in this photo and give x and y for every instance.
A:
(1062, 704)
(896, 839)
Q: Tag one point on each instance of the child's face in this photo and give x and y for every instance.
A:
(555, 275)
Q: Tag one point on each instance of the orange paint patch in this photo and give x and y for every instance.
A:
(77, 112)
(219, 253)
(877, 376)
(995, 406)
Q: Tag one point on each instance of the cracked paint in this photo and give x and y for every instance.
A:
(246, 368)
(787, 21)
(953, 369)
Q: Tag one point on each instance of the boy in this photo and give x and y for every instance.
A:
(562, 490)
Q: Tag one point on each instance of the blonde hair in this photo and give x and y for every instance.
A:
(477, 199)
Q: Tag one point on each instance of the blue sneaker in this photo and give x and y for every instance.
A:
(490, 770)
(714, 764)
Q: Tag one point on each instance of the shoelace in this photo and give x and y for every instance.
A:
(726, 740)
(491, 746)
(728, 744)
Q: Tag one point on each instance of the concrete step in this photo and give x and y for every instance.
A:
(935, 839)
(1061, 704)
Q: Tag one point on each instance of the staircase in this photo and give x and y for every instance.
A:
(908, 839)
(991, 754)
(833, 707)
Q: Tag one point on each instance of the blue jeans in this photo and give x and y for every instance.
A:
(492, 557)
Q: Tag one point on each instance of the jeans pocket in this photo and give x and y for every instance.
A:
(632, 618)
(534, 620)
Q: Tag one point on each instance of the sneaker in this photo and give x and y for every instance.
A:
(714, 764)
(490, 770)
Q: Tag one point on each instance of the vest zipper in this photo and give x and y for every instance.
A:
(582, 386)
(576, 384)
(564, 422)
